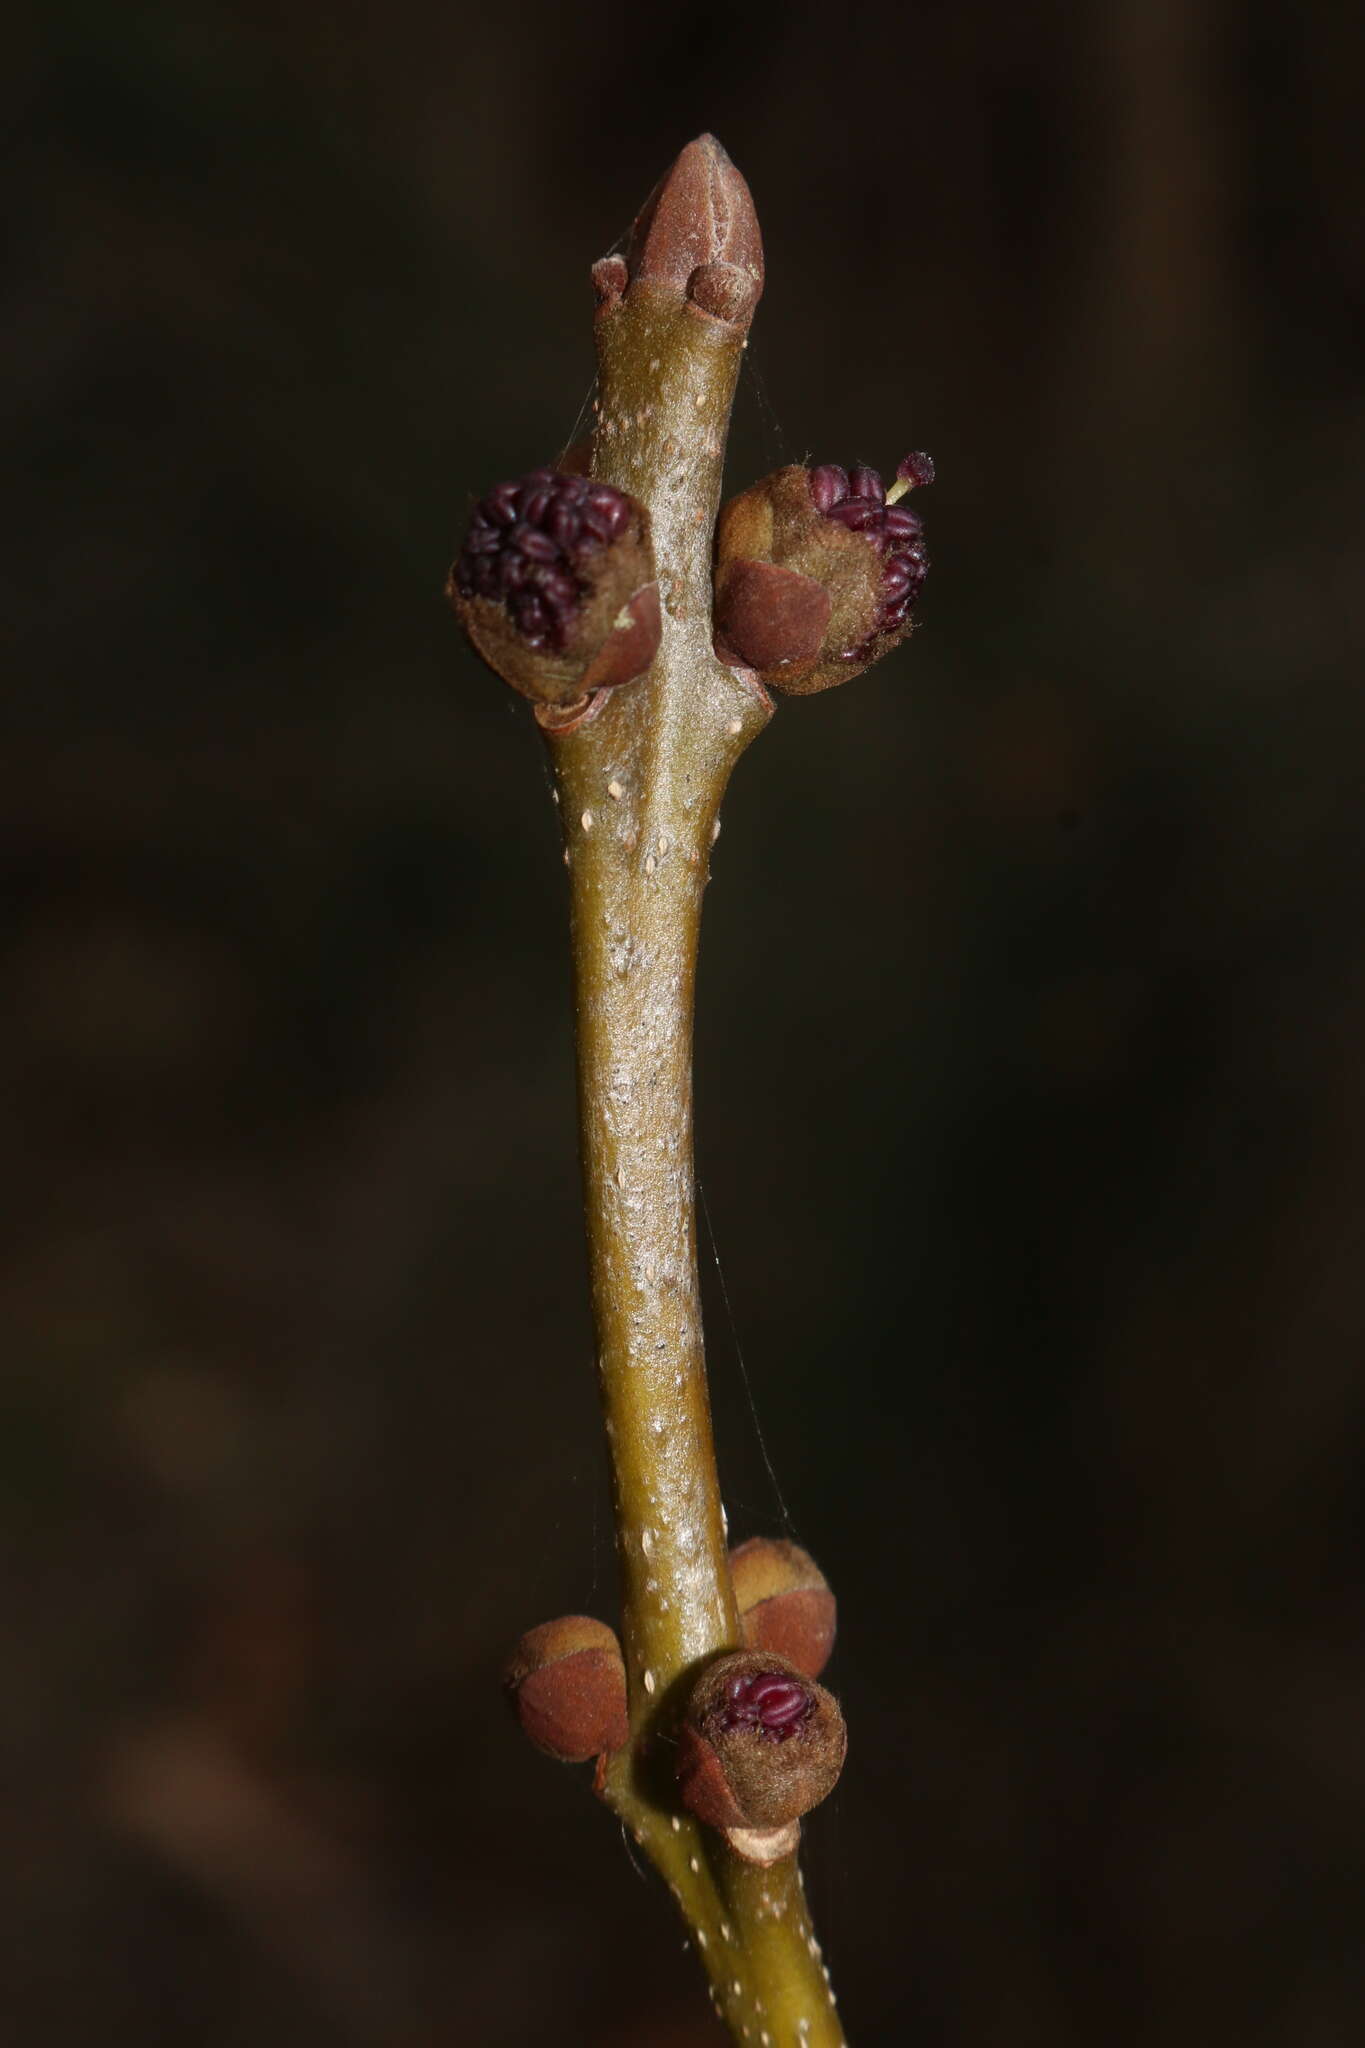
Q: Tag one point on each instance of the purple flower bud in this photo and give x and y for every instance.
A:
(759, 1744)
(800, 533)
(558, 568)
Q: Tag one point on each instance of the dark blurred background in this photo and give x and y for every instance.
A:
(1030, 1091)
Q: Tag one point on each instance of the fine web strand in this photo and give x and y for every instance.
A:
(743, 1369)
(576, 430)
(753, 392)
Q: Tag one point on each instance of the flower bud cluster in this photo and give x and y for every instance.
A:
(555, 586)
(856, 498)
(817, 572)
(760, 1743)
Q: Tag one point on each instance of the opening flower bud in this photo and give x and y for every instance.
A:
(759, 1745)
(785, 1603)
(817, 573)
(555, 586)
(567, 1686)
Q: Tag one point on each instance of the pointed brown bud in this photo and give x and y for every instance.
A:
(833, 529)
(567, 1685)
(696, 236)
(759, 1743)
(784, 1601)
(555, 586)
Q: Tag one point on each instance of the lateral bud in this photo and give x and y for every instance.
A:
(759, 1745)
(566, 1683)
(817, 573)
(784, 1602)
(555, 586)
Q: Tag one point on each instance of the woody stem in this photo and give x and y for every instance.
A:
(640, 781)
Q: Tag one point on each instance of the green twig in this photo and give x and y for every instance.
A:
(640, 782)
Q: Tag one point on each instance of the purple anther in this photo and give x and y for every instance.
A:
(901, 524)
(866, 483)
(529, 540)
(772, 1703)
(828, 486)
(857, 514)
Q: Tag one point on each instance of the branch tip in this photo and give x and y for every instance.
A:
(699, 218)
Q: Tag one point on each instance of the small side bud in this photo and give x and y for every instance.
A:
(784, 1601)
(725, 291)
(829, 529)
(555, 586)
(609, 279)
(566, 1682)
(759, 1745)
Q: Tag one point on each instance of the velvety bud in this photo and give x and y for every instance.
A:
(775, 616)
(829, 530)
(555, 586)
(784, 1601)
(696, 237)
(567, 1685)
(759, 1743)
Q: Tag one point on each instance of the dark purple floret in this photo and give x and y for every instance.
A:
(856, 498)
(771, 1702)
(528, 547)
(866, 483)
(828, 486)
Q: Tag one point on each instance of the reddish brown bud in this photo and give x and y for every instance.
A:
(725, 291)
(767, 618)
(555, 586)
(832, 529)
(696, 236)
(567, 1685)
(784, 1601)
(609, 279)
(759, 1745)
